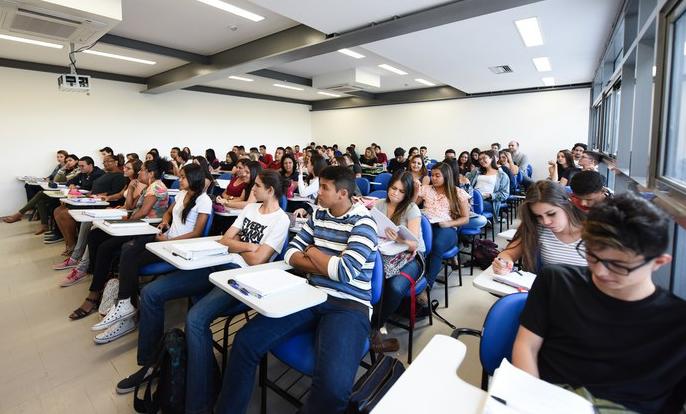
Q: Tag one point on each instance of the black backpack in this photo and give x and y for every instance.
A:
(485, 251)
(374, 384)
(169, 373)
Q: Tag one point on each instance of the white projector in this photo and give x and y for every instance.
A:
(74, 83)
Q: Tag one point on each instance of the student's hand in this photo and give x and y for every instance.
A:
(502, 266)
(163, 225)
(391, 234)
(463, 180)
(486, 195)
(355, 199)
(161, 237)
(301, 212)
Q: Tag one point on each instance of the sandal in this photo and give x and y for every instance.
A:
(81, 313)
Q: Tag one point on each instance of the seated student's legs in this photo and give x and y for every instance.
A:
(443, 240)
(105, 248)
(342, 329)
(81, 241)
(394, 290)
(202, 371)
(133, 256)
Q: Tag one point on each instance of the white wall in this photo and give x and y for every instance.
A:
(36, 120)
(542, 122)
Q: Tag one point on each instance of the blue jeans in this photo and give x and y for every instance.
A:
(342, 329)
(394, 290)
(202, 372)
(443, 240)
(475, 222)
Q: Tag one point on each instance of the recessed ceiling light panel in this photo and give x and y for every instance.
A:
(351, 53)
(392, 69)
(530, 31)
(120, 57)
(548, 81)
(281, 85)
(424, 82)
(542, 64)
(233, 9)
(31, 41)
(240, 78)
(334, 95)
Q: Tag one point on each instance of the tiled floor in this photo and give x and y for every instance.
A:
(49, 364)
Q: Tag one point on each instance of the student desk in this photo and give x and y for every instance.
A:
(277, 305)
(159, 249)
(31, 180)
(508, 235)
(230, 212)
(126, 231)
(59, 194)
(72, 203)
(46, 187)
(299, 198)
(431, 384)
(222, 183)
(80, 216)
(485, 281)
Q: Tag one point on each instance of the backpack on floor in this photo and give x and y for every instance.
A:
(373, 385)
(485, 251)
(169, 376)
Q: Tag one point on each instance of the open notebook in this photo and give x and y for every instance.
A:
(389, 247)
(518, 279)
(515, 391)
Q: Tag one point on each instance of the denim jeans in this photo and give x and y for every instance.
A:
(475, 222)
(342, 329)
(443, 240)
(81, 241)
(202, 372)
(394, 290)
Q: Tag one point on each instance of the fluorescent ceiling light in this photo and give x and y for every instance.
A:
(425, 82)
(30, 41)
(233, 9)
(329, 94)
(542, 64)
(351, 53)
(654, 70)
(392, 69)
(113, 56)
(281, 85)
(240, 78)
(530, 31)
(549, 81)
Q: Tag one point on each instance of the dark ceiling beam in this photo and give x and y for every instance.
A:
(302, 42)
(280, 76)
(42, 67)
(242, 94)
(111, 39)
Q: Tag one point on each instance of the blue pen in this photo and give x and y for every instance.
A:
(246, 292)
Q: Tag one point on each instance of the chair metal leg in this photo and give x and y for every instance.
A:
(459, 268)
(471, 259)
(484, 380)
(263, 384)
(445, 272)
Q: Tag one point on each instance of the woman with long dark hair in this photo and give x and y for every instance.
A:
(211, 158)
(474, 157)
(229, 163)
(237, 184)
(563, 169)
(402, 211)
(184, 219)
(464, 163)
(253, 169)
(314, 166)
(288, 168)
(549, 232)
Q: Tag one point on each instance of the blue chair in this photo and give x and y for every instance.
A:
(447, 257)
(478, 208)
(225, 176)
(529, 171)
(419, 287)
(298, 352)
(162, 267)
(175, 185)
(498, 333)
(381, 194)
(363, 185)
(283, 202)
(470, 232)
(382, 179)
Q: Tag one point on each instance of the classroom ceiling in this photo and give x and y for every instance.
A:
(456, 54)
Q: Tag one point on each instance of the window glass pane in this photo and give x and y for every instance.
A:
(675, 150)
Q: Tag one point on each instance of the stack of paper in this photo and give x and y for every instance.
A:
(389, 247)
(269, 282)
(85, 200)
(517, 279)
(196, 250)
(515, 391)
(120, 223)
(107, 213)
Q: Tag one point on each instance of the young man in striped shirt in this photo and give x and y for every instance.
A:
(337, 247)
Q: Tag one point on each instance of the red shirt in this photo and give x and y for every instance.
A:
(275, 165)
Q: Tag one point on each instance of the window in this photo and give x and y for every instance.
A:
(673, 166)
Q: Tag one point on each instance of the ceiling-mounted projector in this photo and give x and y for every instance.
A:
(74, 83)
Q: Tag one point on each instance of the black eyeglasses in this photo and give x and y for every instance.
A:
(610, 265)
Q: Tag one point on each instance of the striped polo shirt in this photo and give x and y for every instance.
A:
(351, 239)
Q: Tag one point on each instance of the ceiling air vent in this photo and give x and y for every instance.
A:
(499, 70)
(345, 88)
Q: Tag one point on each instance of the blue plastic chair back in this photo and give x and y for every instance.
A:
(282, 253)
(568, 189)
(283, 202)
(208, 225)
(383, 179)
(175, 185)
(381, 194)
(377, 279)
(427, 234)
(477, 202)
(529, 170)
(499, 330)
(518, 180)
(225, 176)
(363, 185)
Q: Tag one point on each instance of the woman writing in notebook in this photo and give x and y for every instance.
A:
(255, 237)
(548, 234)
(184, 219)
(102, 247)
(402, 211)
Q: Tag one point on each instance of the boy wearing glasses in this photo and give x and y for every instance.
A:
(606, 331)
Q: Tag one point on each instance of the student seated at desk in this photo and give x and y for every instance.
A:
(369, 160)
(242, 179)
(549, 233)
(337, 247)
(254, 238)
(251, 170)
(419, 172)
(588, 189)
(491, 181)
(109, 182)
(314, 166)
(399, 207)
(102, 247)
(184, 219)
(41, 201)
(606, 331)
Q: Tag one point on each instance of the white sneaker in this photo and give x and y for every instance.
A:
(116, 331)
(109, 296)
(123, 309)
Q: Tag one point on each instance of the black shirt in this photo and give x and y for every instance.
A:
(631, 353)
(395, 165)
(85, 181)
(109, 183)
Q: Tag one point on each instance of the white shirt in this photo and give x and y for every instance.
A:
(310, 190)
(486, 183)
(203, 205)
(254, 227)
